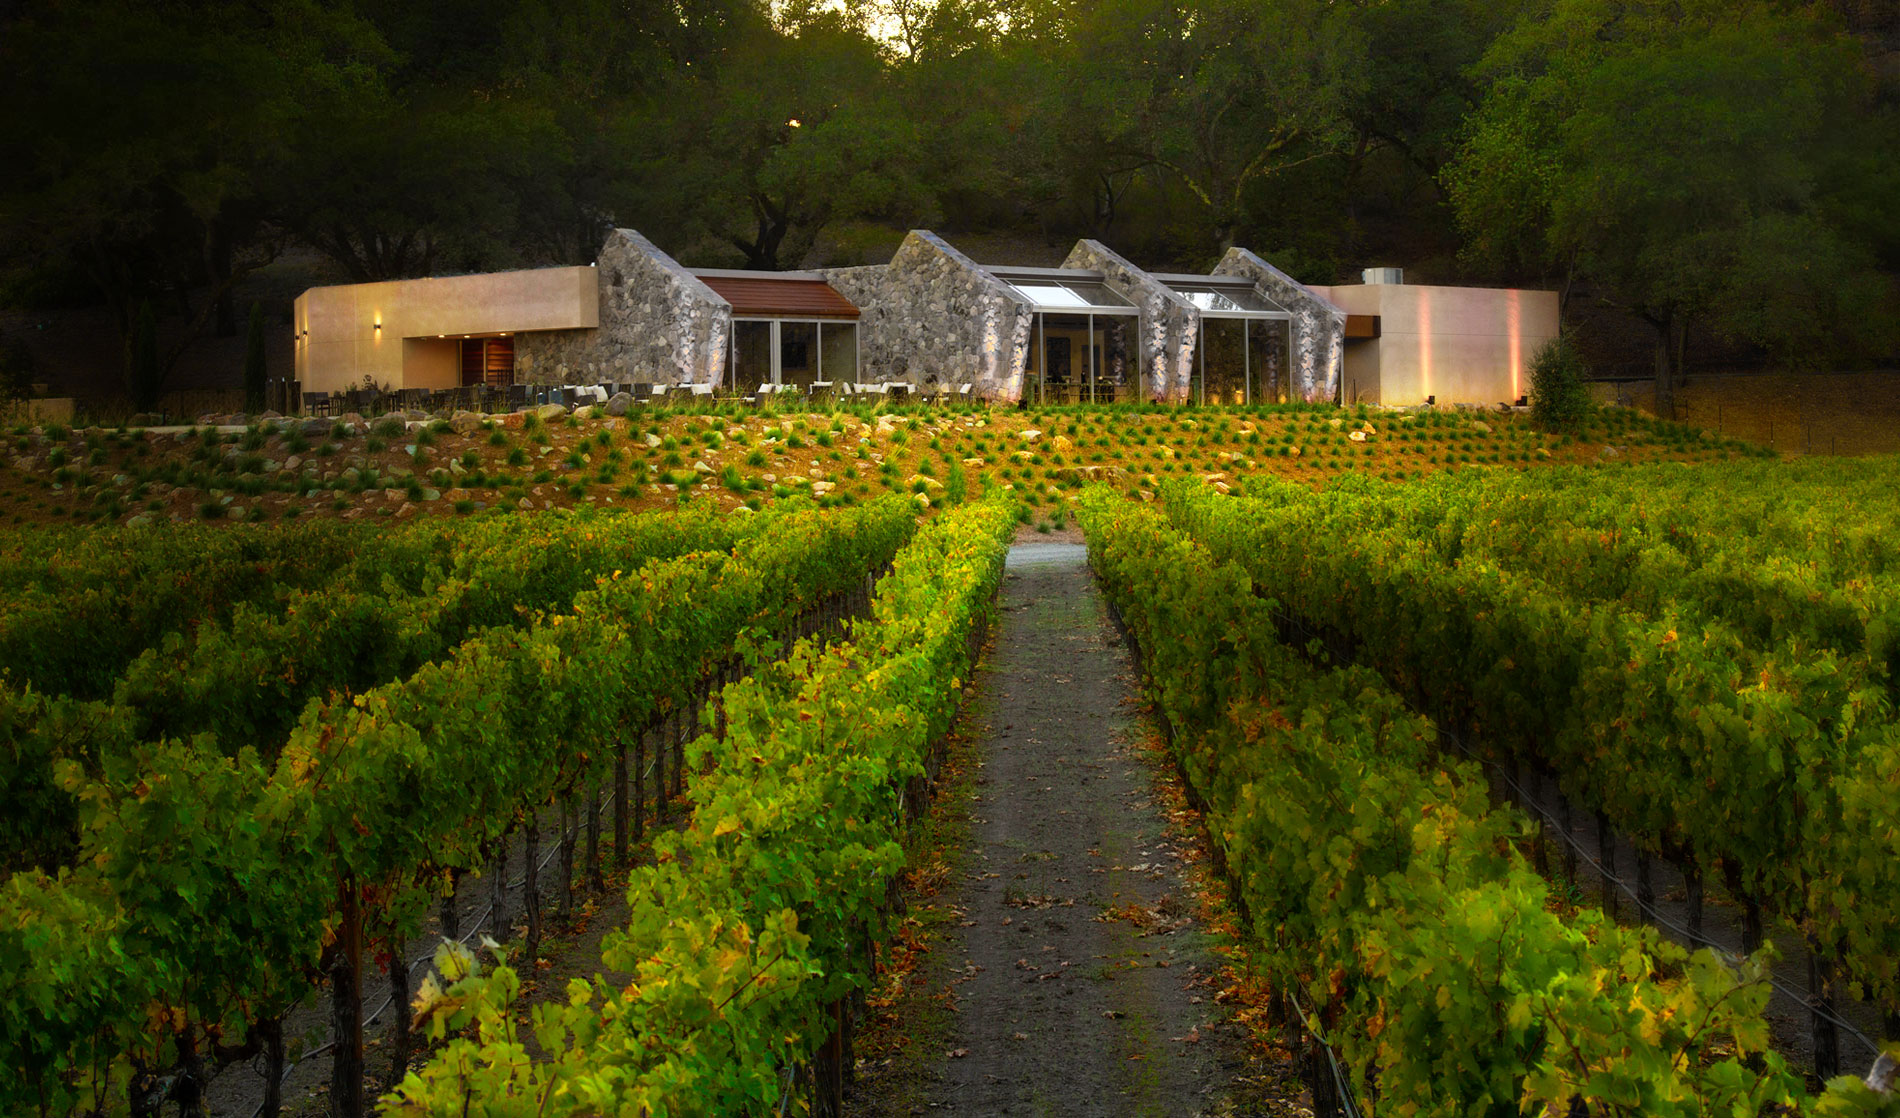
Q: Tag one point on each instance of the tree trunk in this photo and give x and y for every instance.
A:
(531, 886)
(1827, 1041)
(620, 797)
(1606, 854)
(498, 893)
(1692, 895)
(346, 1009)
(570, 836)
(594, 881)
(273, 1034)
(399, 1012)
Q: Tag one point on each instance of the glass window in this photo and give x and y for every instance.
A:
(1050, 295)
(1222, 367)
(1223, 300)
(838, 355)
(751, 356)
(798, 353)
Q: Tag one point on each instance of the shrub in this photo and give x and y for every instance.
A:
(1559, 399)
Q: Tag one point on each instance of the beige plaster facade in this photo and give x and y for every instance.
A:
(1458, 344)
(405, 333)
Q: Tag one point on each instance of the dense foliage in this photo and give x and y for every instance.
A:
(1704, 655)
(754, 921)
(216, 881)
(157, 154)
(1386, 892)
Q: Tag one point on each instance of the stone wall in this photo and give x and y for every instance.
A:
(658, 325)
(1319, 327)
(1169, 324)
(933, 315)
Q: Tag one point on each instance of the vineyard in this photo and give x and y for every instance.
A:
(270, 790)
(1699, 658)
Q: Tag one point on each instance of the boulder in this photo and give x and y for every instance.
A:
(316, 428)
(1480, 426)
(619, 403)
(653, 441)
(466, 422)
(550, 411)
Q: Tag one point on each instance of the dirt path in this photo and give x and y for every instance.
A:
(1081, 983)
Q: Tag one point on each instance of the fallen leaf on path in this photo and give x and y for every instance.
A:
(957, 1053)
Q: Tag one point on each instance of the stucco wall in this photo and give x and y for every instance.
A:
(932, 313)
(1460, 344)
(1319, 326)
(659, 324)
(1169, 324)
(337, 342)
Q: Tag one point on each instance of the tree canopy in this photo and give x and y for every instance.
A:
(1727, 165)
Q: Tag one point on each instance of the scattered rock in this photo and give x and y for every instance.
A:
(1480, 426)
(654, 441)
(524, 503)
(466, 422)
(1029, 434)
(1357, 436)
(551, 411)
(619, 403)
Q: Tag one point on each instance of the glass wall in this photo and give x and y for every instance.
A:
(1221, 371)
(1077, 359)
(751, 356)
(838, 352)
(797, 353)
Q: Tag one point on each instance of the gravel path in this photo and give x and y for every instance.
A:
(1084, 986)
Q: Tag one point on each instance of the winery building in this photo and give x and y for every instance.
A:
(1098, 329)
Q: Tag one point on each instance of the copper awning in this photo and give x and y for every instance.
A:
(768, 296)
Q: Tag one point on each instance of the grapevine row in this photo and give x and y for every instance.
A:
(747, 937)
(247, 679)
(1763, 764)
(214, 890)
(1383, 889)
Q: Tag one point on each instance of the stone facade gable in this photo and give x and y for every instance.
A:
(659, 324)
(933, 315)
(1319, 327)
(1168, 327)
